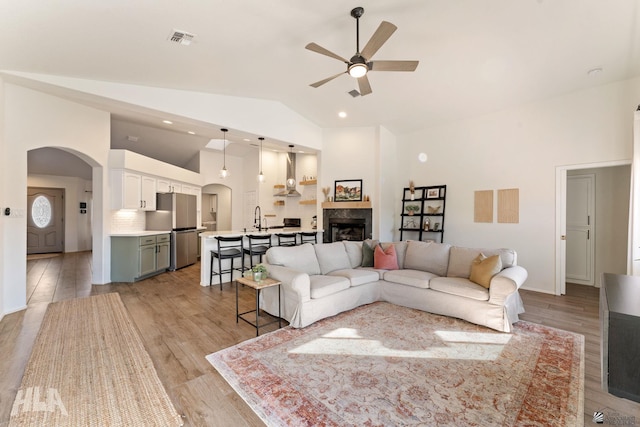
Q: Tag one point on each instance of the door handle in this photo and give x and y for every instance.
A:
(588, 234)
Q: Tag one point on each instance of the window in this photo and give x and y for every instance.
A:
(41, 212)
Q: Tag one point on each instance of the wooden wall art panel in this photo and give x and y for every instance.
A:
(509, 206)
(483, 206)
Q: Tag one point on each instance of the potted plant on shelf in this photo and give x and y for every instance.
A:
(411, 209)
(259, 272)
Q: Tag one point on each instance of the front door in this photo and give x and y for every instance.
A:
(580, 229)
(45, 220)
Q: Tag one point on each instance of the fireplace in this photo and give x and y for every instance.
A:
(346, 224)
(347, 229)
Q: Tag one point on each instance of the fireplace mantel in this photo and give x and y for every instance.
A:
(346, 205)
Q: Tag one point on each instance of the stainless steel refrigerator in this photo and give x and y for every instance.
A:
(177, 212)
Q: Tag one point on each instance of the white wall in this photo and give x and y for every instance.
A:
(77, 226)
(33, 120)
(521, 148)
(370, 154)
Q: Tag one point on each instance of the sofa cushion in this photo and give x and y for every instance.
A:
(332, 256)
(380, 273)
(301, 258)
(460, 259)
(483, 269)
(459, 286)
(321, 285)
(427, 256)
(385, 259)
(415, 278)
(367, 252)
(357, 277)
(354, 252)
(401, 251)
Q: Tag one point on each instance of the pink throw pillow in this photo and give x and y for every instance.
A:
(385, 259)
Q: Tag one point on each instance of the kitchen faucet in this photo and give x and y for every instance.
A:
(257, 213)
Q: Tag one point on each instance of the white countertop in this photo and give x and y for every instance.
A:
(213, 234)
(140, 233)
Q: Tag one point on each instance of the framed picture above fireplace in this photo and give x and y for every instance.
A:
(349, 190)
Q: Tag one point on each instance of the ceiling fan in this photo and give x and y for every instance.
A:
(360, 63)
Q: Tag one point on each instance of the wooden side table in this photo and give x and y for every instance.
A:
(266, 283)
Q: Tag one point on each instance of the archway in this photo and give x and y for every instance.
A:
(216, 207)
(81, 178)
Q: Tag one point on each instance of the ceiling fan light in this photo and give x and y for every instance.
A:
(357, 70)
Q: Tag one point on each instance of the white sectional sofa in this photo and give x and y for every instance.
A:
(323, 280)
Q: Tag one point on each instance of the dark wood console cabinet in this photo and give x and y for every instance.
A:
(620, 327)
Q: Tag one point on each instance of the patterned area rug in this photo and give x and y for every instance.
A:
(383, 364)
(88, 367)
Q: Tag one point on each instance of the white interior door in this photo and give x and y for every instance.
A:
(580, 229)
(45, 220)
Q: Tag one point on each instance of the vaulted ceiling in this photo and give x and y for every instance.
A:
(476, 56)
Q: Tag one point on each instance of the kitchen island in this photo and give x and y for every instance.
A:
(208, 242)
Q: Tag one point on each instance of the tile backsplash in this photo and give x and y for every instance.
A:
(126, 220)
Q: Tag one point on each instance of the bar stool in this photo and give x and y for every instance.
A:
(228, 248)
(287, 239)
(308, 237)
(258, 245)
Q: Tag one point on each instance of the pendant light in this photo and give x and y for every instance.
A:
(291, 180)
(261, 177)
(224, 173)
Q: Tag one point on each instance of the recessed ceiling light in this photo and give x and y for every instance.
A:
(191, 132)
(167, 122)
(342, 114)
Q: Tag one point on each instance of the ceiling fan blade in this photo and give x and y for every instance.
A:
(393, 65)
(319, 49)
(328, 79)
(364, 86)
(378, 38)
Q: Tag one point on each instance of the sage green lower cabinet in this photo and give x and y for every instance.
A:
(138, 257)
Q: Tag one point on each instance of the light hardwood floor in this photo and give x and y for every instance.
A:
(181, 322)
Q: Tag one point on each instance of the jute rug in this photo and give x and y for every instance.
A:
(383, 364)
(88, 367)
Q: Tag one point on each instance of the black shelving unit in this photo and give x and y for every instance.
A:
(430, 205)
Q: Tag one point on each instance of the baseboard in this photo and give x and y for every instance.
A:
(543, 291)
(24, 307)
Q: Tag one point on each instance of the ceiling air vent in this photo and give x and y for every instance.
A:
(181, 37)
(354, 93)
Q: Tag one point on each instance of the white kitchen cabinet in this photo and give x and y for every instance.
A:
(168, 186)
(132, 191)
(148, 193)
